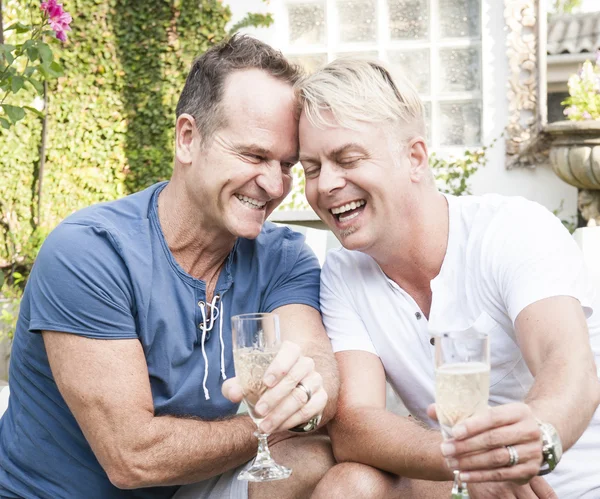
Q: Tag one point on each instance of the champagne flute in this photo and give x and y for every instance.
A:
(462, 384)
(255, 344)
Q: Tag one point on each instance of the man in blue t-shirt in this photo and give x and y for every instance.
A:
(122, 375)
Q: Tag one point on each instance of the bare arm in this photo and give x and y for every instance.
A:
(364, 431)
(105, 384)
(555, 343)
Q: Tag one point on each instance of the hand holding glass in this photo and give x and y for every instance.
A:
(255, 343)
(462, 384)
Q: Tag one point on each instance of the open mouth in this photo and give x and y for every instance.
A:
(251, 202)
(349, 210)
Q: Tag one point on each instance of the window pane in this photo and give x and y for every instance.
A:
(358, 20)
(306, 23)
(459, 70)
(369, 54)
(409, 19)
(459, 18)
(413, 65)
(427, 116)
(310, 62)
(460, 123)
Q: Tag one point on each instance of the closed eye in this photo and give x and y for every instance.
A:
(349, 161)
(254, 158)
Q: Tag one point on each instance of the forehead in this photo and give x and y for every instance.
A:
(261, 109)
(315, 140)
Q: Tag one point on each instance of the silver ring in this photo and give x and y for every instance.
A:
(514, 455)
(306, 390)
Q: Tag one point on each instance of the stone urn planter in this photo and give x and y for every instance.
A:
(575, 158)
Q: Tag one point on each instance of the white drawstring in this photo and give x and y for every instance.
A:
(204, 329)
(223, 375)
(215, 313)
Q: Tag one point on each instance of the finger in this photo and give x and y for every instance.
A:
(232, 390)
(431, 412)
(296, 402)
(286, 357)
(520, 433)
(493, 417)
(303, 367)
(521, 474)
(525, 492)
(315, 407)
(495, 458)
(541, 488)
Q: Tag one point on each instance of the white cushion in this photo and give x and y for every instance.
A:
(4, 392)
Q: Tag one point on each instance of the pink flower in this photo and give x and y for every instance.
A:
(59, 20)
(598, 58)
(586, 115)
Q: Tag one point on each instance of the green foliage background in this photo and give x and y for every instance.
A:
(110, 117)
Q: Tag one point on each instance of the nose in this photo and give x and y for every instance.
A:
(271, 180)
(330, 178)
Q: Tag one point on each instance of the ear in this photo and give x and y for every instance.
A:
(186, 138)
(419, 159)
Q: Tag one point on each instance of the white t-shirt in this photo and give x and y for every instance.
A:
(503, 254)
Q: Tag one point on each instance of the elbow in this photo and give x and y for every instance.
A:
(124, 470)
(125, 477)
(342, 451)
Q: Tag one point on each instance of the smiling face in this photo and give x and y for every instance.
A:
(243, 172)
(362, 183)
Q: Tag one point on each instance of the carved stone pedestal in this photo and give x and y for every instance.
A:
(575, 158)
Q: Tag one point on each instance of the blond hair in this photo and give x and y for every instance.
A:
(358, 90)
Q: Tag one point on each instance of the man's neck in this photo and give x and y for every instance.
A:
(413, 262)
(199, 249)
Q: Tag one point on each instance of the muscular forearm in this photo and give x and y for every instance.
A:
(166, 450)
(388, 442)
(566, 397)
(326, 365)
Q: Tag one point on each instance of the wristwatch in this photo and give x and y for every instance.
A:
(310, 425)
(551, 447)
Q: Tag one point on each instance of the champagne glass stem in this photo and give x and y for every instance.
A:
(263, 455)
(459, 489)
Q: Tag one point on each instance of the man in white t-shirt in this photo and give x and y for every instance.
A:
(416, 262)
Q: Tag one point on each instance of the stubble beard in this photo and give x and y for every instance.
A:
(348, 232)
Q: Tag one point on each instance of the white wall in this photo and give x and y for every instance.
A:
(540, 184)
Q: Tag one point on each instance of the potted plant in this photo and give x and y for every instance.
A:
(575, 143)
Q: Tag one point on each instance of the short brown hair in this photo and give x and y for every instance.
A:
(204, 87)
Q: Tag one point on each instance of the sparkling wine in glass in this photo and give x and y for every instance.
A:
(255, 344)
(462, 384)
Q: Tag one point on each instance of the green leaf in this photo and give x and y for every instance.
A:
(45, 52)
(34, 111)
(37, 85)
(21, 28)
(5, 48)
(56, 69)
(17, 83)
(15, 113)
(4, 123)
(33, 53)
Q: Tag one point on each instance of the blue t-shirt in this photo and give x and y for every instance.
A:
(106, 272)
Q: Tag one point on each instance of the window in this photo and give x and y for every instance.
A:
(437, 43)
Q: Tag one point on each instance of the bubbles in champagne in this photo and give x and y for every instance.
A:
(461, 390)
(250, 367)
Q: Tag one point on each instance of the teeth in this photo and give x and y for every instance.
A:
(347, 207)
(349, 217)
(254, 203)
